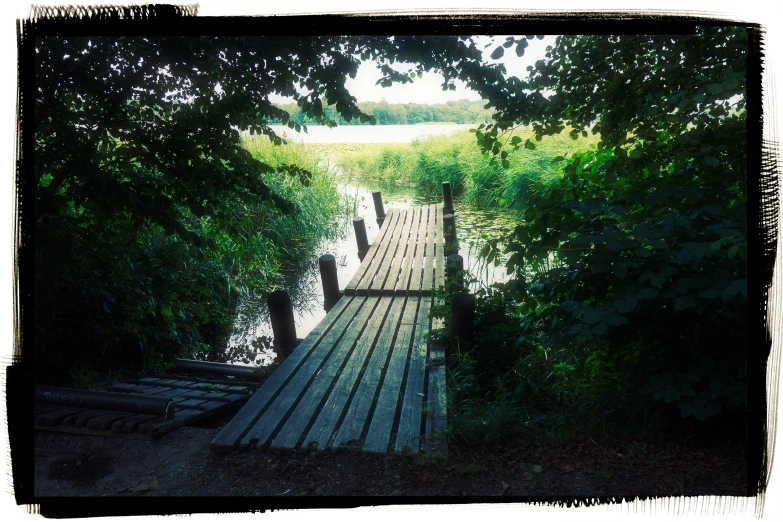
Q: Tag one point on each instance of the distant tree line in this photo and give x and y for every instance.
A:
(461, 111)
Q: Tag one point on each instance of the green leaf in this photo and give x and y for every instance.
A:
(558, 159)
(658, 280)
(593, 315)
(620, 271)
(616, 320)
(710, 293)
(497, 54)
(648, 293)
(681, 303)
(625, 305)
(600, 329)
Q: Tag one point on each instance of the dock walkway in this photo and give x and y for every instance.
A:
(366, 375)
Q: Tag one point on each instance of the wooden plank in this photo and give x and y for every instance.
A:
(409, 430)
(358, 412)
(312, 394)
(440, 274)
(279, 409)
(53, 418)
(405, 272)
(418, 262)
(436, 402)
(385, 249)
(231, 435)
(437, 419)
(426, 282)
(132, 423)
(184, 417)
(342, 391)
(350, 288)
(80, 420)
(103, 433)
(383, 416)
(402, 252)
(104, 422)
(395, 249)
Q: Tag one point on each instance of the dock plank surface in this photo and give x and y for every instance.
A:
(364, 375)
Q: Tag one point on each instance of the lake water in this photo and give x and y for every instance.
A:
(304, 282)
(369, 133)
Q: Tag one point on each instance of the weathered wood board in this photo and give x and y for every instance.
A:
(193, 400)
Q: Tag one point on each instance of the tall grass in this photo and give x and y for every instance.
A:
(456, 158)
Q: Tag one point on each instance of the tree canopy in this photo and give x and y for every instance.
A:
(641, 242)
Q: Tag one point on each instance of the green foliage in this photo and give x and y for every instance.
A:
(479, 179)
(152, 219)
(641, 242)
(384, 113)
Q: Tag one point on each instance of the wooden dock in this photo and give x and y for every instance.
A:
(366, 375)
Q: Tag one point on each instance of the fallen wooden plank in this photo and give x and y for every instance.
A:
(185, 417)
(311, 391)
(80, 420)
(55, 417)
(390, 395)
(409, 430)
(231, 435)
(132, 423)
(359, 410)
(337, 402)
(104, 422)
(79, 430)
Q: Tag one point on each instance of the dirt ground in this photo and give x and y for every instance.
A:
(182, 464)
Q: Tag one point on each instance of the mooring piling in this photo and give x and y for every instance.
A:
(448, 201)
(328, 268)
(281, 315)
(450, 234)
(463, 308)
(361, 237)
(380, 214)
(454, 271)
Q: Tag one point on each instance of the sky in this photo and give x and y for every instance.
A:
(427, 89)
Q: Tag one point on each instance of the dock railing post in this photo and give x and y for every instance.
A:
(380, 214)
(327, 265)
(450, 234)
(463, 308)
(361, 237)
(454, 272)
(281, 315)
(448, 201)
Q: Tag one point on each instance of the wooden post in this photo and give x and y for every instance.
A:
(448, 201)
(463, 307)
(281, 314)
(361, 237)
(328, 268)
(450, 234)
(380, 214)
(454, 268)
